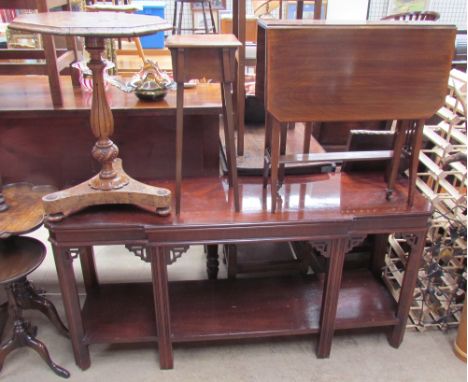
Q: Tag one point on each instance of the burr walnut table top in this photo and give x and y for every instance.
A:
(105, 24)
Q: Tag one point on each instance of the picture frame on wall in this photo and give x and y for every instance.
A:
(401, 6)
(308, 12)
(215, 5)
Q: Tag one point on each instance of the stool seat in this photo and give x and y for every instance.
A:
(208, 41)
(19, 256)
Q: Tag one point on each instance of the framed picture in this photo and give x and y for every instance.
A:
(215, 4)
(309, 9)
(199, 23)
(400, 6)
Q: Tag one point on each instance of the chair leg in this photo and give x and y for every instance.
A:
(139, 49)
(205, 20)
(174, 20)
(213, 24)
(27, 298)
(52, 70)
(181, 11)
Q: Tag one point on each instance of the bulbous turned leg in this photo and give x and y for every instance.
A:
(27, 298)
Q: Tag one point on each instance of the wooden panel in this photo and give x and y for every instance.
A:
(357, 72)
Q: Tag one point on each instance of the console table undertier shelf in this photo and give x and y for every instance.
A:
(328, 210)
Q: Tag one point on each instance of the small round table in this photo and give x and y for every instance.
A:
(112, 185)
(19, 256)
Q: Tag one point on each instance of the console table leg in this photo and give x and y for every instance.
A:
(416, 243)
(161, 305)
(331, 292)
(71, 302)
(88, 268)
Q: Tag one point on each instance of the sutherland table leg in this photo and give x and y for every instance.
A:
(409, 282)
(161, 305)
(416, 143)
(283, 142)
(275, 143)
(228, 109)
(330, 297)
(400, 135)
(267, 149)
(71, 303)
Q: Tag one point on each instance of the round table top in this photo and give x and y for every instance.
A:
(25, 212)
(19, 256)
(90, 24)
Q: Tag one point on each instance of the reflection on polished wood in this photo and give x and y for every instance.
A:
(317, 198)
(19, 94)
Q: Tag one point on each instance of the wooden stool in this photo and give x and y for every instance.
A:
(210, 56)
(19, 256)
(207, 29)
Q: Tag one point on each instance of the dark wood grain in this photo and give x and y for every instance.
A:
(336, 213)
(207, 310)
(19, 256)
(24, 212)
(335, 77)
(207, 208)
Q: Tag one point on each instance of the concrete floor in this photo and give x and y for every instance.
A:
(424, 356)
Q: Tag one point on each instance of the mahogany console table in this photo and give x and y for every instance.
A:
(337, 216)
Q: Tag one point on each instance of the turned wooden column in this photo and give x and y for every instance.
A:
(102, 123)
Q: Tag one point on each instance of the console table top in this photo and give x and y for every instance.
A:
(331, 204)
